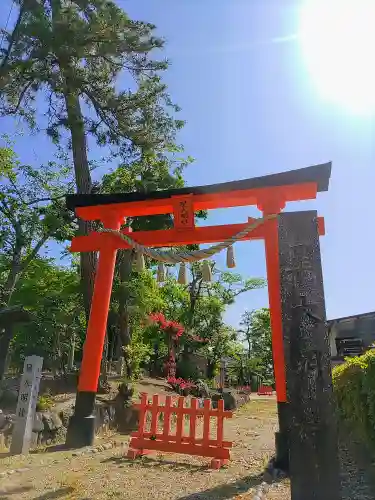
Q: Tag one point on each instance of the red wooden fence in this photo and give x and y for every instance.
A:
(265, 390)
(143, 441)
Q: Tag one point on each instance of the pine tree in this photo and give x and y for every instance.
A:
(68, 58)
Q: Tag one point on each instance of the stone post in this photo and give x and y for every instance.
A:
(120, 366)
(312, 428)
(27, 399)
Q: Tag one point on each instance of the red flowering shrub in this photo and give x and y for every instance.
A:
(180, 385)
(171, 327)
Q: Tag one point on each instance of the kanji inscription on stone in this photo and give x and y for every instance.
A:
(27, 399)
(312, 433)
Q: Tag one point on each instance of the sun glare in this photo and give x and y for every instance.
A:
(338, 46)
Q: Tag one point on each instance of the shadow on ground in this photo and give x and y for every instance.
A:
(54, 494)
(8, 492)
(228, 491)
(154, 462)
(51, 449)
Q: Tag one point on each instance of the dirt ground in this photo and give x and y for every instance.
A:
(53, 473)
(108, 474)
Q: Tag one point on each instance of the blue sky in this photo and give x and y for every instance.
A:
(252, 109)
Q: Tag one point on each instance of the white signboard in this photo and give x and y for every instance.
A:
(27, 399)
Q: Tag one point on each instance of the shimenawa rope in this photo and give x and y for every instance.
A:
(169, 257)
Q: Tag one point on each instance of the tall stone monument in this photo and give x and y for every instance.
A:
(26, 406)
(310, 412)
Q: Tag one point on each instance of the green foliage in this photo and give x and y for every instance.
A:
(200, 308)
(32, 211)
(255, 331)
(7, 161)
(230, 285)
(354, 386)
(139, 354)
(187, 371)
(45, 402)
(52, 294)
(73, 53)
(150, 172)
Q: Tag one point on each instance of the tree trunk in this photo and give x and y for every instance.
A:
(84, 186)
(154, 362)
(126, 259)
(112, 333)
(194, 295)
(71, 353)
(171, 358)
(15, 269)
(5, 340)
(111, 348)
(104, 367)
(249, 348)
(210, 369)
(56, 355)
(80, 160)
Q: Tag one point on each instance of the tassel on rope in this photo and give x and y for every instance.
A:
(140, 262)
(161, 273)
(182, 274)
(231, 263)
(206, 271)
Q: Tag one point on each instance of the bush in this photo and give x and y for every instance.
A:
(187, 371)
(138, 354)
(181, 386)
(354, 386)
(45, 402)
(125, 392)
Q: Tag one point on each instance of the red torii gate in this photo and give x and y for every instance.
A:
(269, 193)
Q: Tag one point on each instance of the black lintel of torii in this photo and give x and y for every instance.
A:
(320, 174)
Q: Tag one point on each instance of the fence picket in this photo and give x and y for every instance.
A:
(206, 421)
(154, 415)
(142, 415)
(180, 419)
(193, 420)
(220, 422)
(167, 416)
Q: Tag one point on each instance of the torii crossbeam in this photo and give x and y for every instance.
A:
(269, 193)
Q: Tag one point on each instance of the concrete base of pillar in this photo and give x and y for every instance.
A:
(81, 428)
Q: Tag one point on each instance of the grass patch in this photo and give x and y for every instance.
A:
(258, 407)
